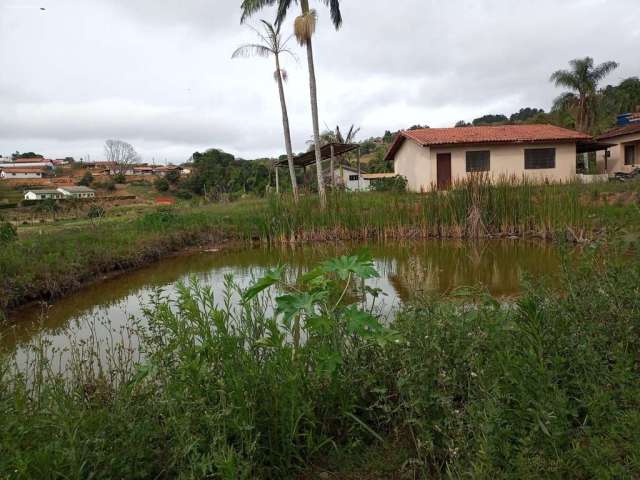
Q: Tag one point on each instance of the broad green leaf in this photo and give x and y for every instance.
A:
(271, 278)
(360, 265)
(361, 323)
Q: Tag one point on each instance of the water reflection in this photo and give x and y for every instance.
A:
(405, 269)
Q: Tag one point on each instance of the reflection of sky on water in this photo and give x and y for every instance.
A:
(105, 309)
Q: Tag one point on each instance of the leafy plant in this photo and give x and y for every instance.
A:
(8, 232)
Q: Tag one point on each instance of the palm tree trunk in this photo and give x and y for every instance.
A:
(314, 112)
(287, 131)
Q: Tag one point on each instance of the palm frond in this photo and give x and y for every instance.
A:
(249, 7)
(334, 9)
(565, 101)
(252, 50)
(565, 78)
(284, 75)
(603, 70)
(283, 9)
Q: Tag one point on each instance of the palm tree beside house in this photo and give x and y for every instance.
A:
(272, 43)
(582, 79)
(304, 28)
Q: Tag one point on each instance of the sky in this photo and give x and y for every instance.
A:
(159, 74)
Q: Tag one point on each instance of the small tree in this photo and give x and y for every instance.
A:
(172, 176)
(120, 178)
(86, 180)
(161, 184)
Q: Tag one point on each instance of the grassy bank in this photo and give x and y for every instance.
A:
(54, 260)
(546, 387)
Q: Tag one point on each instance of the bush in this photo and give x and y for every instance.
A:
(183, 194)
(161, 184)
(86, 180)
(120, 178)
(172, 176)
(96, 211)
(394, 184)
(8, 232)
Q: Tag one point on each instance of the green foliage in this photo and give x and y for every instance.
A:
(489, 119)
(17, 155)
(96, 211)
(545, 386)
(86, 180)
(161, 184)
(394, 184)
(8, 232)
(172, 176)
(120, 178)
(216, 173)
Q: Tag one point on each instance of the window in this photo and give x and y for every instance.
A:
(478, 161)
(538, 158)
(630, 155)
(353, 178)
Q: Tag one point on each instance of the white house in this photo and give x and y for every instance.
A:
(349, 178)
(624, 155)
(77, 192)
(42, 195)
(434, 158)
(18, 173)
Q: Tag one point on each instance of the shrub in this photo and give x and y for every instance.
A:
(96, 211)
(120, 178)
(86, 180)
(8, 232)
(173, 176)
(393, 184)
(183, 194)
(161, 184)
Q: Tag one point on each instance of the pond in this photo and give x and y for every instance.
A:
(405, 269)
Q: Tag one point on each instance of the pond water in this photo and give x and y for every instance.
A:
(405, 269)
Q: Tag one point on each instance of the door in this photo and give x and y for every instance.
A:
(443, 166)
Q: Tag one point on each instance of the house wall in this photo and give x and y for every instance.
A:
(413, 162)
(418, 164)
(11, 175)
(615, 162)
(350, 185)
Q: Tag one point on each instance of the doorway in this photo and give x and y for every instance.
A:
(443, 165)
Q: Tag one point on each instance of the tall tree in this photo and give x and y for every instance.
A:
(304, 28)
(272, 43)
(122, 154)
(582, 79)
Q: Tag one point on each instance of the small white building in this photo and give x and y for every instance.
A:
(349, 178)
(77, 192)
(44, 194)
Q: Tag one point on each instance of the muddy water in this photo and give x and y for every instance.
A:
(405, 268)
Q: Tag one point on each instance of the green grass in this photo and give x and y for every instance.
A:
(547, 387)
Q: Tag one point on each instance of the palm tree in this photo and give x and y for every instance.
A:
(582, 79)
(272, 43)
(304, 28)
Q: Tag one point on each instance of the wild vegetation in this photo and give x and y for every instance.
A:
(545, 387)
(58, 260)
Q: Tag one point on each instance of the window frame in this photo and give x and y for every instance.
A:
(354, 177)
(536, 163)
(632, 149)
(477, 170)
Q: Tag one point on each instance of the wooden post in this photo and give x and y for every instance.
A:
(333, 176)
(277, 181)
(358, 168)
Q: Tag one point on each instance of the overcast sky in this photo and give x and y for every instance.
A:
(159, 74)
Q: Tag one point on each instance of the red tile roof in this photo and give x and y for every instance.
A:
(487, 135)
(620, 131)
(32, 160)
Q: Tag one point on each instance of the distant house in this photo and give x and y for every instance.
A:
(60, 193)
(162, 171)
(77, 192)
(43, 195)
(143, 170)
(15, 173)
(349, 178)
(624, 155)
(433, 158)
